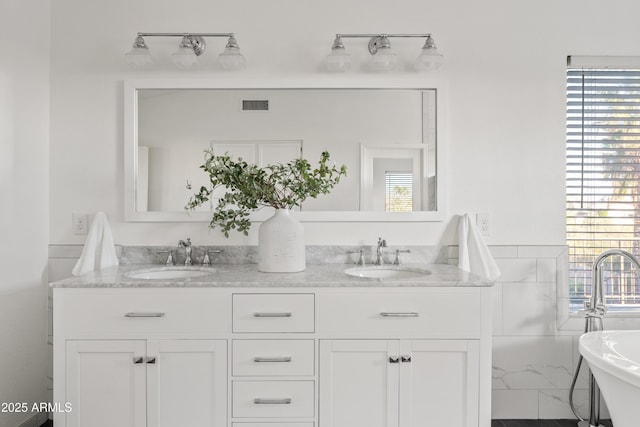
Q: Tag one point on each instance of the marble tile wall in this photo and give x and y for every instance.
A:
(535, 341)
(249, 254)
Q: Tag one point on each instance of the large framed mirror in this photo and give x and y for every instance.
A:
(388, 136)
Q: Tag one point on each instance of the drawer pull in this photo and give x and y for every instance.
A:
(400, 314)
(259, 401)
(144, 314)
(151, 360)
(138, 360)
(272, 359)
(286, 314)
(405, 359)
(394, 359)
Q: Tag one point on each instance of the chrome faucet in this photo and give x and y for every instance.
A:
(169, 260)
(397, 260)
(206, 261)
(361, 260)
(187, 250)
(597, 306)
(381, 244)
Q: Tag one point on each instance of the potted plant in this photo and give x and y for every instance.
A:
(281, 186)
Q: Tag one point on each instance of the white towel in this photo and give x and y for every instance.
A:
(99, 251)
(474, 255)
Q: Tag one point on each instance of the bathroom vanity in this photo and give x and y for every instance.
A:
(238, 348)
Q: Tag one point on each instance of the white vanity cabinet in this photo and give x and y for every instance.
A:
(273, 356)
(391, 383)
(140, 357)
(138, 383)
(101, 378)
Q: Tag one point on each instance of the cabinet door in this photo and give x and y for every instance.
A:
(358, 383)
(439, 383)
(187, 383)
(105, 385)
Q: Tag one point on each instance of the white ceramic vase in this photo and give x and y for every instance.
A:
(281, 244)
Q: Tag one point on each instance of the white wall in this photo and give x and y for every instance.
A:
(505, 64)
(24, 211)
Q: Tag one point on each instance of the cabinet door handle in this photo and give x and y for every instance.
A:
(144, 314)
(405, 359)
(259, 359)
(394, 359)
(260, 401)
(399, 314)
(284, 314)
(138, 360)
(151, 360)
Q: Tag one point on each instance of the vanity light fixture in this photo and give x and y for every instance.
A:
(383, 58)
(191, 46)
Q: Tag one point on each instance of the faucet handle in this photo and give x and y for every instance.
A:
(382, 243)
(185, 243)
(206, 260)
(397, 261)
(169, 257)
(360, 260)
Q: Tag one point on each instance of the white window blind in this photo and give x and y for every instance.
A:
(398, 191)
(603, 181)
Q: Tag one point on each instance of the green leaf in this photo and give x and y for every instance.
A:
(249, 187)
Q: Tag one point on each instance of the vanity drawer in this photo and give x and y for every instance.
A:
(273, 357)
(436, 313)
(140, 312)
(273, 312)
(273, 399)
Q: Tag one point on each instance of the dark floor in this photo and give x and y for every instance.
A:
(500, 423)
(541, 423)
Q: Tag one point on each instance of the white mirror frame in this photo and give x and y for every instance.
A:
(131, 138)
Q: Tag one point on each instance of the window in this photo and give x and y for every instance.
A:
(398, 191)
(603, 181)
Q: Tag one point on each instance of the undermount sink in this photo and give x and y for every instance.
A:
(382, 272)
(169, 273)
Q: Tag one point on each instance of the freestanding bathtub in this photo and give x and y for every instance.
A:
(614, 359)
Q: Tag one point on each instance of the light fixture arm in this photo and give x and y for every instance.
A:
(185, 34)
(384, 59)
(376, 41)
(195, 40)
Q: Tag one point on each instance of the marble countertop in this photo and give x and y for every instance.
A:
(247, 275)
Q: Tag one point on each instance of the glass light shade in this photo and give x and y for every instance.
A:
(384, 60)
(185, 58)
(338, 61)
(232, 59)
(139, 57)
(429, 59)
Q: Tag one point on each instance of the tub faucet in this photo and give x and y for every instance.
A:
(381, 244)
(597, 306)
(187, 250)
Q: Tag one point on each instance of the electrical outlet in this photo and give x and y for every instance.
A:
(80, 223)
(484, 224)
